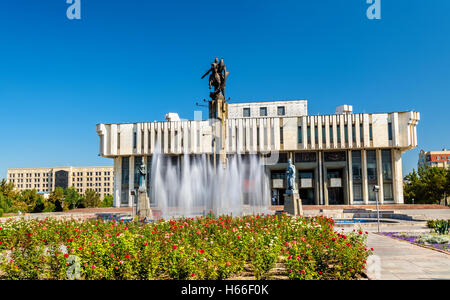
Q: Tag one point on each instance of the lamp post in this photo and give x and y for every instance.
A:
(376, 188)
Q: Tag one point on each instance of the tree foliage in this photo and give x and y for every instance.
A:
(30, 201)
(427, 185)
(91, 199)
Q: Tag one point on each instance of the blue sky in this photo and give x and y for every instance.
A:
(130, 61)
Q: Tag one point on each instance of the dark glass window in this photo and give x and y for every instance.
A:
(390, 131)
(246, 112)
(300, 135)
(263, 111)
(125, 180)
(353, 133)
(316, 134)
(357, 176)
(137, 165)
(305, 157)
(324, 135)
(370, 132)
(386, 162)
(281, 110)
(282, 158)
(281, 135)
(372, 172)
(361, 132)
(331, 134)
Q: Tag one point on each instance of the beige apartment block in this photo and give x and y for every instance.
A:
(339, 157)
(45, 180)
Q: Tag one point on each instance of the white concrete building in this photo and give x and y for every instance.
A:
(339, 157)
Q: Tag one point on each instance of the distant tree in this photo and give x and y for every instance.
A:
(7, 189)
(57, 199)
(426, 186)
(91, 199)
(108, 201)
(29, 201)
(72, 198)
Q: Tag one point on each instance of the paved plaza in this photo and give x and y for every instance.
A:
(402, 260)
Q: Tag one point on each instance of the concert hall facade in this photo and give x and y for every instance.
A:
(339, 157)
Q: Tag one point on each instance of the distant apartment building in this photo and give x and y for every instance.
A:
(45, 180)
(439, 159)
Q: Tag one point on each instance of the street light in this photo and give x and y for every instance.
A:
(376, 188)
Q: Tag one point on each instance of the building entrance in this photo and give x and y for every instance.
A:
(306, 187)
(335, 187)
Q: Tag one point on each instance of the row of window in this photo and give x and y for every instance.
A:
(92, 179)
(28, 175)
(281, 111)
(330, 133)
(372, 174)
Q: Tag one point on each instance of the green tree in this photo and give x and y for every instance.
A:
(57, 198)
(91, 199)
(72, 198)
(108, 201)
(426, 186)
(29, 201)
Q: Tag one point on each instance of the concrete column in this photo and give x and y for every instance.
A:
(325, 185)
(316, 185)
(380, 177)
(117, 181)
(131, 182)
(321, 184)
(398, 176)
(350, 177)
(365, 183)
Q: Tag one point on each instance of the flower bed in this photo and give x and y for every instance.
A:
(203, 248)
(435, 241)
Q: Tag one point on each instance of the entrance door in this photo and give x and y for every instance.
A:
(306, 187)
(335, 187)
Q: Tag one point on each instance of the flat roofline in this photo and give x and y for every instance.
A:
(258, 117)
(267, 101)
(58, 167)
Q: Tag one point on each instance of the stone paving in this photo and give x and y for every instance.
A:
(398, 260)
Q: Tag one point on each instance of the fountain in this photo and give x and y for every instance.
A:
(190, 185)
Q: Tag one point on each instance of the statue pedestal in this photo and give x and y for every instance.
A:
(293, 204)
(144, 211)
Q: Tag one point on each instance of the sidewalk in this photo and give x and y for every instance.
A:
(402, 260)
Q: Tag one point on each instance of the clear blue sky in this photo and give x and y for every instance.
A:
(135, 60)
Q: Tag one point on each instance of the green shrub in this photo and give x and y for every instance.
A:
(1, 212)
(439, 226)
(108, 201)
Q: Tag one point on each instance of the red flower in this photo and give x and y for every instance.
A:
(174, 247)
(127, 256)
(93, 267)
(238, 236)
(66, 255)
(193, 275)
(228, 263)
(201, 251)
(371, 249)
